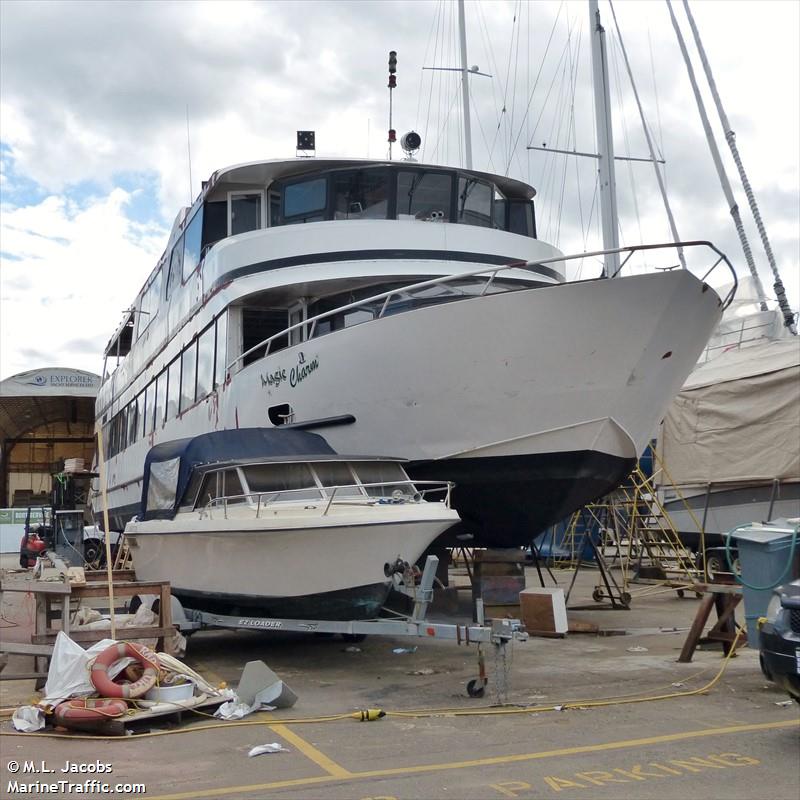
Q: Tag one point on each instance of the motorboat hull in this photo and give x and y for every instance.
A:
(332, 568)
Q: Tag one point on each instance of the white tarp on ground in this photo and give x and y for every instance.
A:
(737, 418)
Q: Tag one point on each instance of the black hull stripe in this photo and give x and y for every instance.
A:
(381, 255)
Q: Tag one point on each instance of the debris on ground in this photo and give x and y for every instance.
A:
(637, 649)
(274, 747)
(400, 650)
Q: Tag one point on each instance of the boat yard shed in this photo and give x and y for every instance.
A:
(46, 416)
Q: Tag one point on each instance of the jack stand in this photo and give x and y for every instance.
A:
(477, 686)
(618, 597)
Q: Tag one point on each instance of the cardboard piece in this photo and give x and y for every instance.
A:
(544, 610)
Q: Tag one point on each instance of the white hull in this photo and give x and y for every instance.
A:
(248, 561)
(571, 369)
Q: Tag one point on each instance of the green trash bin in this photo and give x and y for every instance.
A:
(765, 550)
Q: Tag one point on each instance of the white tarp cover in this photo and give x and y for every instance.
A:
(737, 418)
(163, 484)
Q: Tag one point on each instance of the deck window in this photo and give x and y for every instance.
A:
(520, 218)
(221, 349)
(305, 201)
(175, 268)
(147, 409)
(285, 481)
(151, 297)
(174, 388)
(192, 244)
(188, 375)
(133, 420)
(474, 202)
(161, 399)
(205, 362)
(424, 195)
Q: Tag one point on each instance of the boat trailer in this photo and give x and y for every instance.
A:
(499, 633)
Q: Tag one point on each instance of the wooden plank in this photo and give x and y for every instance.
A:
(120, 589)
(25, 649)
(96, 635)
(37, 587)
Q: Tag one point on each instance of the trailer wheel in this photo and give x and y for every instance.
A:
(476, 687)
(93, 552)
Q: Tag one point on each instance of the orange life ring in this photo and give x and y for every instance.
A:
(107, 687)
(89, 710)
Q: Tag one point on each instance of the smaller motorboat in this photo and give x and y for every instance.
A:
(274, 523)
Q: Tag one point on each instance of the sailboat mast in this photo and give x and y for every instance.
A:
(605, 142)
(462, 33)
(730, 137)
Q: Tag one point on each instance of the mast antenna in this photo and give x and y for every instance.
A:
(392, 85)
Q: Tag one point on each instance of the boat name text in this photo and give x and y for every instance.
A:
(295, 375)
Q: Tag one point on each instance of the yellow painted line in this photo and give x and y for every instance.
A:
(480, 762)
(311, 752)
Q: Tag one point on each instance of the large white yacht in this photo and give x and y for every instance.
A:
(405, 309)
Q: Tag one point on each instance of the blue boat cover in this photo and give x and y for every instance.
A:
(168, 466)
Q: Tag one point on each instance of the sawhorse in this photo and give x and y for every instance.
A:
(724, 599)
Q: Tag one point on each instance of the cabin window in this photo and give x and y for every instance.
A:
(148, 308)
(223, 483)
(474, 202)
(173, 388)
(334, 473)
(284, 481)
(274, 208)
(361, 195)
(305, 201)
(297, 314)
(246, 210)
(192, 244)
(188, 375)
(175, 268)
(383, 472)
(161, 399)
(205, 362)
(424, 195)
(134, 420)
(147, 410)
(221, 350)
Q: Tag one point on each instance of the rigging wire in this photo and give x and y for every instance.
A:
(422, 70)
(536, 82)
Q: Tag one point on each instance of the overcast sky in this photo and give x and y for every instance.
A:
(93, 127)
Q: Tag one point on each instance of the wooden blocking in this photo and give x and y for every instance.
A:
(544, 610)
(498, 578)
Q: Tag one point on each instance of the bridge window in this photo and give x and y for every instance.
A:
(205, 362)
(474, 202)
(424, 195)
(305, 201)
(246, 212)
(188, 375)
(174, 388)
(361, 195)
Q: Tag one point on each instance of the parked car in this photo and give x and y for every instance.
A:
(780, 639)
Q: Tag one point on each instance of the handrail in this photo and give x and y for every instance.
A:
(491, 273)
(431, 486)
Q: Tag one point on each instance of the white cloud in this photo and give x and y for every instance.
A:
(75, 269)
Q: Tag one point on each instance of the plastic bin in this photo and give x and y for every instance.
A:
(763, 551)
